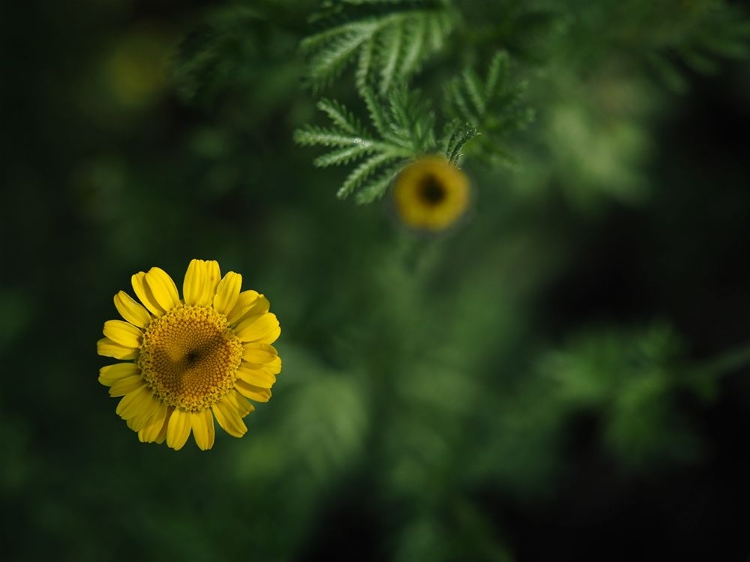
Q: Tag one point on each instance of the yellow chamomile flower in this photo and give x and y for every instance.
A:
(189, 360)
(431, 194)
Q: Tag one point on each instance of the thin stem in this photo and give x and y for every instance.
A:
(729, 361)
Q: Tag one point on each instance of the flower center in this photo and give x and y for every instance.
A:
(431, 190)
(189, 357)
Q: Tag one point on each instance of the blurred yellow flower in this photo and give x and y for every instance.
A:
(189, 360)
(137, 68)
(431, 194)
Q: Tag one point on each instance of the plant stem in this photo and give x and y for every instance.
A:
(728, 361)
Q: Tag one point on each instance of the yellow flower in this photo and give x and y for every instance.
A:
(431, 194)
(189, 360)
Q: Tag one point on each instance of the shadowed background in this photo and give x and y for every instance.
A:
(533, 384)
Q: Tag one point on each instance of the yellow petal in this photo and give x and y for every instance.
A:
(178, 429)
(229, 419)
(163, 288)
(271, 336)
(272, 367)
(108, 348)
(252, 392)
(259, 353)
(132, 404)
(122, 333)
(252, 375)
(239, 403)
(255, 328)
(145, 294)
(203, 429)
(126, 385)
(131, 310)
(110, 374)
(244, 302)
(149, 432)
(149, 406)
(201, 279)
(227, 292)
(259, 306)
(163, 433)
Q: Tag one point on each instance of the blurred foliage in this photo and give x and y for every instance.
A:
(493, 105)
(557, 368)
(632, 380)
(405, 131)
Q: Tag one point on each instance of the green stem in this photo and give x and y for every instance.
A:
(729, 361)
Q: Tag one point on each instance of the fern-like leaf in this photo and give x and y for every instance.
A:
(491, 107)
(389, 40)
(342, 156)
(413, 121)
(456, 135)
(341, 117)
(404, 131)
(360, 174)
(377, 187)
(311, 135)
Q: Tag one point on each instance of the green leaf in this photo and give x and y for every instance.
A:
(363, 171)
(341, 117)
(311, 135)
(329, 62)
(456, 135)
(404, 130)
(476, 92)
(491, 107)
(376, 188)
(376, 110)
(342, 156)
(389, 40)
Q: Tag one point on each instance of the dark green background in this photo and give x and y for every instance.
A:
(530, 386)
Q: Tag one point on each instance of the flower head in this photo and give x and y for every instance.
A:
(189, 360)
(431, 194)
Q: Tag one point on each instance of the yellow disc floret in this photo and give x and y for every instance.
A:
(189, 357)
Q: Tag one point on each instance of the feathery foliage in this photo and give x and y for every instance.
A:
(492, 106)
(404, 129)
(709, 32)
(630, 376)
(389, 40)
(213, 57)
(666, 38)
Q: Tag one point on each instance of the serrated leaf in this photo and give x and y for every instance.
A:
(341, 156)
(412, 121)
(341, 117)
(329, 63)
(389, 42)
(376, 189)
(476, 92)
(362, 172)
(414, 48)
(491, 107)
(458, 100)
(311, 135)
(362, 75)
(438, 28)
(497, 73)
(404, 127)
(455, 137)
(377, 115)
